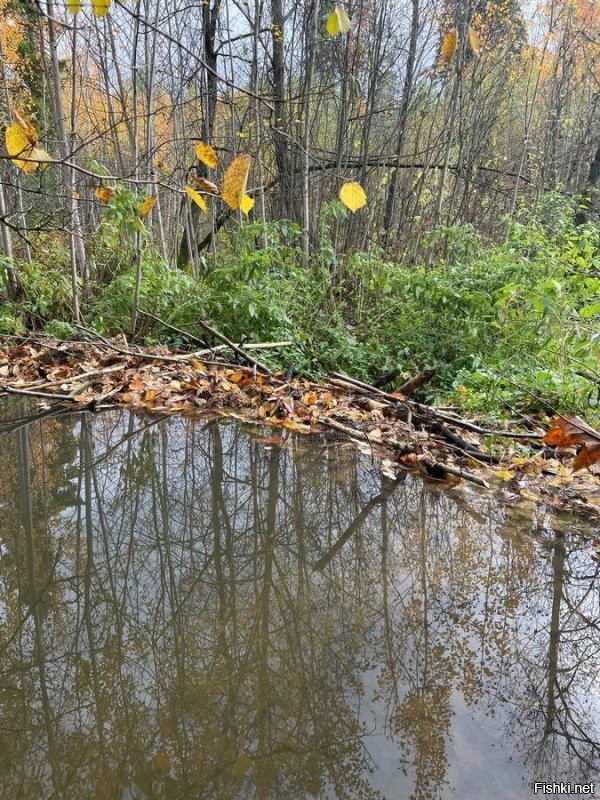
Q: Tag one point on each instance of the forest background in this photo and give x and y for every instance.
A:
(472, 128)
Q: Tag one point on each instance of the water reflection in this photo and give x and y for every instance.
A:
(187, 611)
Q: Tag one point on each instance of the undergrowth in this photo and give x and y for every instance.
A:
(508, 326)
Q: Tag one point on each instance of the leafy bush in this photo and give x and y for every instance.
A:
(506, 325)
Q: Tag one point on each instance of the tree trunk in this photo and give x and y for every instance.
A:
(407, 89)
(210, 19)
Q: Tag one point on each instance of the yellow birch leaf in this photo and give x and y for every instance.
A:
(73, 6)
(246, 204)
(448, 47)
(474, 41)
(17, 144)
(235, 180)
(21, 140)
(206, 186)
(207, 155)
(147, 205)
(197, 198)
(353, 196)
(105, 193)
(338, 21)
(100, 7)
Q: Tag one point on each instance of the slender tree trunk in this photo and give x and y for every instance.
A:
(279, 126)
(210, 20)
(78, 255)
(311, 40)
(136, 173)
(407, 90)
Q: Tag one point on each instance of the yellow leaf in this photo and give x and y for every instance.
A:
(235, 180)
(147, 205)
(207, 155)
(448, 47)
(338, 21)
(21, 140)
(105, 193)
(246, 204)
(160, 165)
(206, 186)
(197, 198)
(504, 474)
(529, 495)
(474, 41)
(73, 6)
(353, 196)
(40, 156)
(17, 142)
(100, 7)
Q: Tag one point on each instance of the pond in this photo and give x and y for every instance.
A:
(199, 608)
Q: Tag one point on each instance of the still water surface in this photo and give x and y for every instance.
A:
(193, 609)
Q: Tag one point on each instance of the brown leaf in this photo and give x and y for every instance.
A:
(105, 193)
(310, 398)
(588, 455)
(569, 430)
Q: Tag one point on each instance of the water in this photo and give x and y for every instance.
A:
(201, 609)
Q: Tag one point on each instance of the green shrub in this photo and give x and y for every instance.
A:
(507, 324)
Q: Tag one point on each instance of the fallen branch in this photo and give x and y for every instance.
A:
(436, 467)
(410, 386)
(236, 348)
(467, 448)
(428, 411)
(35, 393)
(400, 447)
(137, 353)
(82, 376)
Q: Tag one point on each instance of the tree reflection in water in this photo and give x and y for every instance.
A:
(187, 611)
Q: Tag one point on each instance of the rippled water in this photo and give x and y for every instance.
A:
(201, 609)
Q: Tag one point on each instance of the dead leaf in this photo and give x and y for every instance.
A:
(569, 430)
(310, 398)
(206, 186)
(105, 194)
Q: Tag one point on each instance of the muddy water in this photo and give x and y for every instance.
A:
(201, 609)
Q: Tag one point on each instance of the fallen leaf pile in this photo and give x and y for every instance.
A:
(402, 433)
